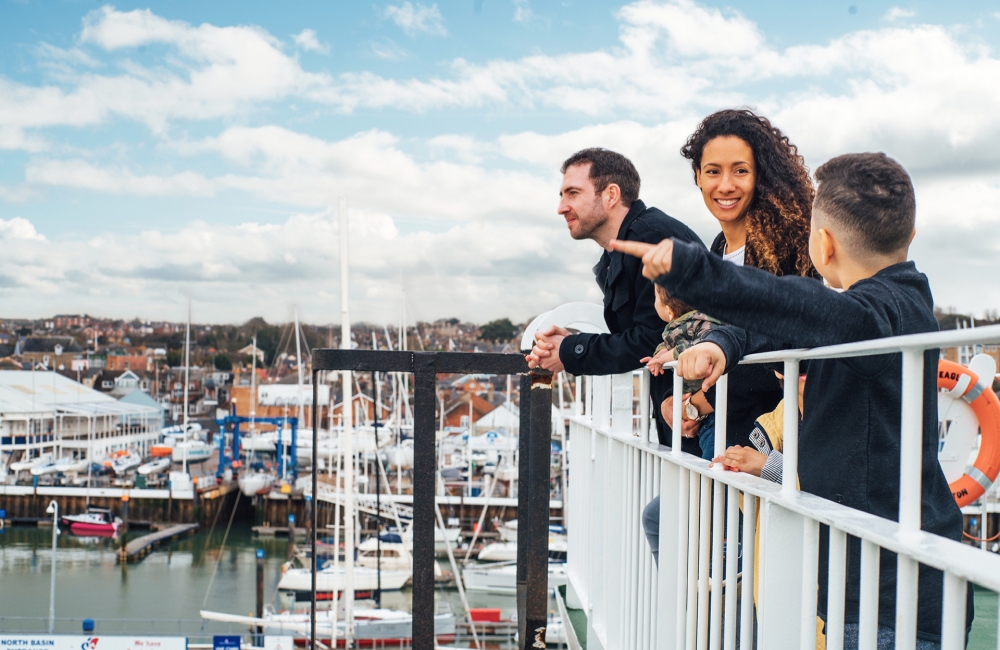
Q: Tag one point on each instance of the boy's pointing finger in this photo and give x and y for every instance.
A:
(636, 248)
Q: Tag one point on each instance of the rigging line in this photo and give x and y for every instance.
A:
(239, 493)
(208, 540)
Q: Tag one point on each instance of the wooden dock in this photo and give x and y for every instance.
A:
(140, 547)
(279, 531)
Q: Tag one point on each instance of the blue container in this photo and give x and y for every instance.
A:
(88, 625)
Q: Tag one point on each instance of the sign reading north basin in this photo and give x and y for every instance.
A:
(96, 642)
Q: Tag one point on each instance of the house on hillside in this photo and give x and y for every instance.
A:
(49, 351)
(465, 410)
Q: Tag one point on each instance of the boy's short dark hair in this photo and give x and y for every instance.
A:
(871, 195)
(678, 307)
(607, 167)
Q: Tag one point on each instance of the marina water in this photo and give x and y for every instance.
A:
(162, 594)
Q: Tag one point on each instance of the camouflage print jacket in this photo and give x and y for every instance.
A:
(681, 333)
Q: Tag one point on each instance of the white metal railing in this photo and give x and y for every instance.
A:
(629, 603)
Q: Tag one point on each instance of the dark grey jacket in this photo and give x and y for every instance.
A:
(850, 436)
(628, 307)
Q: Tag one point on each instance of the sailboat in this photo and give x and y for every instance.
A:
(189, 450)
(257, 482)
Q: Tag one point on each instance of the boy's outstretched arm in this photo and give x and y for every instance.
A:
(801, 312)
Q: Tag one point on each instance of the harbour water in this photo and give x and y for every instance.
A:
(162, 594)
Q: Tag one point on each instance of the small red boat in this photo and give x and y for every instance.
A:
(96, 521)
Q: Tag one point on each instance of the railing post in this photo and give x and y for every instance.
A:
(911, 439)
(621, 405)
(677, 419)
(523, 504)
(424, 470)
(535, 536)
(790, 442)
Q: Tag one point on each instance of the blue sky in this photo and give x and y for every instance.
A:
(152, 151)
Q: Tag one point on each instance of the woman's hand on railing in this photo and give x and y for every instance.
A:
(702, 360)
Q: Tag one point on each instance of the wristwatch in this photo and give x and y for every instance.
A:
(691, 412)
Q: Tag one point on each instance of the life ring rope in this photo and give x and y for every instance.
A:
(960, 382)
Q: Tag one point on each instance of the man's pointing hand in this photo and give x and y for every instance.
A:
(656, 258)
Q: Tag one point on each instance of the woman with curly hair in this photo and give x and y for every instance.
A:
(755, 183)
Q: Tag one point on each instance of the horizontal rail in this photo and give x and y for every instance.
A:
(396, 361)
(889, 345)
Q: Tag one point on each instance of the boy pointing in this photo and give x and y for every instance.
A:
(862, 225)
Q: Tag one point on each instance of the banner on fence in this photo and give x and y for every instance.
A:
(95, 642)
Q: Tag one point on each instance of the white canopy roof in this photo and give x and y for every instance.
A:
(44, 393)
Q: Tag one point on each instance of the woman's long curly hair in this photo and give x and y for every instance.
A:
(778, 218)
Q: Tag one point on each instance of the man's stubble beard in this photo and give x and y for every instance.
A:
(597, 218)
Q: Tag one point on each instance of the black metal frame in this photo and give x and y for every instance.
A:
(533, 474)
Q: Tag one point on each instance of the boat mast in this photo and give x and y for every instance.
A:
(253, 385)
(298, 359)
(348, 433)
(187, 379)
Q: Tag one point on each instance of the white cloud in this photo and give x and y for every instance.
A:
(307, 40)
(80, 174)
(522, 11)
(417, 18)
(215, 72)
(898, 13)
(470, 219)
(19, 228)
(388, 50)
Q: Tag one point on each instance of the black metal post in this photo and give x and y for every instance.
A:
(425, 366)
(523, 505)
(259, 610)
(424, 498)
(535, 526)
(315, 511)
(378, 493)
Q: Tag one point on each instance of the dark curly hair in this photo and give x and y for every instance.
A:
(778, 217)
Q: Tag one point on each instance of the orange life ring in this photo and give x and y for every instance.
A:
(962, 382)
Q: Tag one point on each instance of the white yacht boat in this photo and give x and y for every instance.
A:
(507, 551)
(65, 465)
(44, 468)
(259, 441)
(155, 466)
(502, 578)
(498, 552)
(192, 451)
(31, 463)
(124, 462)
(395, 556)
(254, 483)
(334, 578)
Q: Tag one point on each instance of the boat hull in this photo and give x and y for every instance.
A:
(100, 530)
(502, 580)
(365, 579)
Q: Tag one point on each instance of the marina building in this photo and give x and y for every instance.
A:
(45, 412)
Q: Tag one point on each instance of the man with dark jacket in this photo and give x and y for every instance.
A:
(599, 199)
